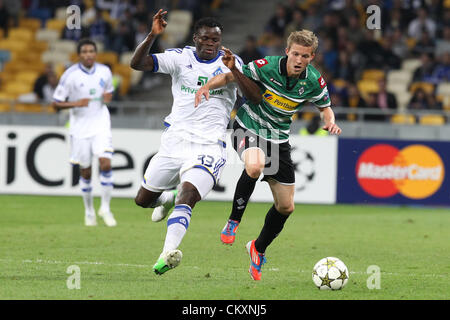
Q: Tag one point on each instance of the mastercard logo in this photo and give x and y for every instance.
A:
(415, 171)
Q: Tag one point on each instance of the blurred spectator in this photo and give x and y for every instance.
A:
(330, 55)
(42, 80)
(296, 23)
(291, 7)
(425, 71)
(329, 27)
(14, 7)
(355, 32)
(4, 18)
(385, 99)
(354, 100)
(443, 44)
(441, 72)
(390, 59)
(312, 17)
(396, 20)
(425, 45)
(399, 44)
(89, 13)
(278, 22)
(122, 39)
(356, 58)
(420, 24)
(251, 51)
(141, 33)
(100, 29)
(141, 12)
(116, 8)
(421, 100)
(344, 70)
(372, 50)
(49, 88)
(372, 103)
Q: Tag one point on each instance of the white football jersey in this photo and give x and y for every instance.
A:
(208, 122)
(77, 83)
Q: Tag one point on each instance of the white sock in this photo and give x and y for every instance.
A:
(177, 225)
(88, 199)
(106, 181)
(167, 197)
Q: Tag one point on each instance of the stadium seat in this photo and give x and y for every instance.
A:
(55, 57)
(108, 57)
(28, 77)
(432, 119)
(21, 34)
(65, 46)
(340, 83)
(61, 13)
(400, 118)
(443, 89)
(179, 26)
(399, 76)
(13, 45)
(47, 35)
(411, 64)
(411, 43)
(426, 86)
(16, 88)
(125, 58)
(367, 86)
(373, 74)
(403, 99)
(30, 23)
(5, 101)
(56, 24)
(2, 34)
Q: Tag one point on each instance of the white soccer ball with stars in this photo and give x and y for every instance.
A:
(330, 273)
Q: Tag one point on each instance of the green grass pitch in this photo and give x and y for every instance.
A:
(40, 237)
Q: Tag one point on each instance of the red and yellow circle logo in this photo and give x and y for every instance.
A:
(415, 171)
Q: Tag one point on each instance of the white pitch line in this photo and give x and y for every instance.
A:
(42, 261)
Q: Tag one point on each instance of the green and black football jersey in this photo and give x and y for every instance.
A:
(282, 97)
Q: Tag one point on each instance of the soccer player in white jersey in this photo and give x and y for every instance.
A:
(192, 152)
(84, 88)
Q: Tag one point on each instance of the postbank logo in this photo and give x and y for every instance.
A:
(279, 102)
(416, 171)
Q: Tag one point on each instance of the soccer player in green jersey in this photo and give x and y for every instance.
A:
(275, 87)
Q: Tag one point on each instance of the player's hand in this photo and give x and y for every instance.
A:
(332, 128)
(228, 58)
(82, 102)
(159, 24)
(203, 91)
(107, 97)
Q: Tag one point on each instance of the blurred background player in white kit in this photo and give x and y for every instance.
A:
(192, 152)
(84, 88)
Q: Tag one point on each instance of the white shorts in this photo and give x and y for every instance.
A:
(82, 150)
(179, 160)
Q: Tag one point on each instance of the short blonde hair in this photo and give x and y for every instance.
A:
(304, 38)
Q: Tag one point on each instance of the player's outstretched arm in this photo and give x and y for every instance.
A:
(248, 87)
(71, 104)
(141, 60)
(327, 115)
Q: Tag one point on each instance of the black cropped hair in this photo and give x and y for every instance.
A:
(207, 22)
(83, 42)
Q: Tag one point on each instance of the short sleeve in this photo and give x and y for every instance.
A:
(62, 91)
(166, 62)
(320, 96)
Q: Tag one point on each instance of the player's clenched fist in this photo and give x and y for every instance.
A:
(159, 24)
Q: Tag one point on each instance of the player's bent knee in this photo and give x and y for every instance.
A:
(285, 208)
(254, 170)
(188, 195)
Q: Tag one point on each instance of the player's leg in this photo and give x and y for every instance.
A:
(179, 219)
(157, 188)
(274, 222)
(254, 160)
(103, 149)
(106, 185)
(80, 154)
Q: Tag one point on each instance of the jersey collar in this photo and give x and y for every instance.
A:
(206, 61)
(86, 70)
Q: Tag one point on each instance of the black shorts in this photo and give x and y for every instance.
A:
(279, 165)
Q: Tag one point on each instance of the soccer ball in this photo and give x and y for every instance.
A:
(330, 273)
